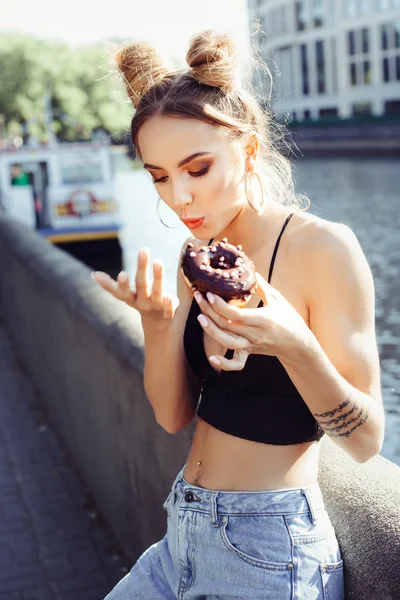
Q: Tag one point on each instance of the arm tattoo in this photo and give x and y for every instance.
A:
(342, 426)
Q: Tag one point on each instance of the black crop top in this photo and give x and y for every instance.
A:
(258, 403)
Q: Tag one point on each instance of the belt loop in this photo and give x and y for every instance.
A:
(178, 478)
(310, 503)
(214, 509)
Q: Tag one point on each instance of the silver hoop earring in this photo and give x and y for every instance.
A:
(246, 188)
(161, 219)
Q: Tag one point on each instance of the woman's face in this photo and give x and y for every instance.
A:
(197, 171)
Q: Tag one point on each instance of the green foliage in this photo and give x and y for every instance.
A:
(85, 93)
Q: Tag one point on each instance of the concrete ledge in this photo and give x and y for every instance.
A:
(84, 351)
(363, 501)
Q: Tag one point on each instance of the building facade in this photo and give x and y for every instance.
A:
(331, 57)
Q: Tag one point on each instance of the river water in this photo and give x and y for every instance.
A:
(362, 193)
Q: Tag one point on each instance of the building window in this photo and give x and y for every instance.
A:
(300, 8)
(304, 69)
(318, 13)
(307, 115)
(319, 50)
(390, 45)
(359, 47)
(334, 65)
(325, 113)
(351, 42)
(384, 37)
(392, 107)
(389, 35)
(353, 74)
(361, 109)
(386, 74)
(396, 26)
(367, 72)
(365, 40)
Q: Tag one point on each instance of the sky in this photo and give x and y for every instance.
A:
(167, 24)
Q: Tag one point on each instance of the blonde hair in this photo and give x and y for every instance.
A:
(208, 91)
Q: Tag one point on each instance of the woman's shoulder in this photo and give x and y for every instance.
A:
(330, 257)
(314, 237)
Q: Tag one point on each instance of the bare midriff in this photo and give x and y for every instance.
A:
(220, 461)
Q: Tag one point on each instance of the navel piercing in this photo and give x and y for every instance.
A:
(198, 463)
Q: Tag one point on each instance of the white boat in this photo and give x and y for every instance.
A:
(64, 191)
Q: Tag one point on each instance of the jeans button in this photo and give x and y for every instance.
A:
(189, 496)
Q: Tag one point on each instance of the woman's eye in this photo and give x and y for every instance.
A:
(161, 180)
(203, 171)
(200, 173)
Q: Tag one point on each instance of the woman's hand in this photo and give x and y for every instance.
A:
(276, 329)
(153, 305)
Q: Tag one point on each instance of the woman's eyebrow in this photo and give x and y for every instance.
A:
(183, 162)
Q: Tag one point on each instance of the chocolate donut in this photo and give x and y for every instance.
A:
(221, 268)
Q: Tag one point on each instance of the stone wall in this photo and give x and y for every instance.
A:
(84, 351)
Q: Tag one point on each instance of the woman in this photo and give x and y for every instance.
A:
(246, 517)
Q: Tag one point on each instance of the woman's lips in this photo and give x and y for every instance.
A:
(193, 223)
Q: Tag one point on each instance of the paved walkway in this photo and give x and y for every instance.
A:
(53, 543)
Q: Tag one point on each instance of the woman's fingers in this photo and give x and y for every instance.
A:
(141, 281)
(148, 301)
(119, 289)
(125, 292)
(170, 304)
(157, 291)
(222, 322)
(106, 282)
(236, 363)
(227, 340)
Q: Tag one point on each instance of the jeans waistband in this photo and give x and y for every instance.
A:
(278, 502)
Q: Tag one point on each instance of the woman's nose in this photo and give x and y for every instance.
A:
(181, 196)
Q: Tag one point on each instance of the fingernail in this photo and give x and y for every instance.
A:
(198, 297)
(215, 360)
(100, 275)
(210, 297)
(92, 275)
(202, 320)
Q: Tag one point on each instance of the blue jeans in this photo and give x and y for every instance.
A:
(258, 545)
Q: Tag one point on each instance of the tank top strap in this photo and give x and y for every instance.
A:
(275, 252)
(271, 268)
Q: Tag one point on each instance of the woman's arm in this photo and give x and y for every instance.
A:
(171, 386)
(337, 370)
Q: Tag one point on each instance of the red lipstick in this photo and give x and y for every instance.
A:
(193, 223)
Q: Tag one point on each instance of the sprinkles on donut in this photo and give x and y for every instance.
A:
(220, 268)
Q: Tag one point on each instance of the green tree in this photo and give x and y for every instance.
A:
(84, 95)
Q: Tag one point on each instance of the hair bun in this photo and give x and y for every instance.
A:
(141, 67)
(212, 58)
